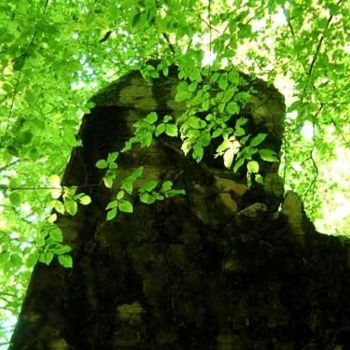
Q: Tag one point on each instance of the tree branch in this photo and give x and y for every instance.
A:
(288, 21)
(318, 48)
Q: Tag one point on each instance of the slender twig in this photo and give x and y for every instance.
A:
(9, 165)
(4, 187)
(339, 131)
(318, 48)
(312, 184)
(171, 46)
(212, 27)
(288, 21)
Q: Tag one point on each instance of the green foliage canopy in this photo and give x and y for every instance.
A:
(54, 55)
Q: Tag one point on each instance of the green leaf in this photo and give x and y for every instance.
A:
(228, 157)
(167, 118)
(127, 146)
(166, 186)
(223, 83)
(125, 206)
(56, 234)
(175, 192)
(112, 157)
(111, 214)
(137, 172)
(85, 200)
(101, 164)
(149, 186)
(198, 153)
(232, 108)
(238, 164)
(233, 76)
(158, 196)
(147, 198)
(244, 139)
(171, 130)
(32, 259)
(196, 123)
(160, 129)
(24, 137)
(59, 206)
(34, 154)
(120, 195)
(204, 139)
(112, 204)
(224, 145)
(186, 146)
(16, 260)
(65, 261)
(259, 179)
(228, 94)
(70, 191)
(127, 186)
(165, 71)
(217, 133)
(15, 198)
(71, 206)
(257, 140)
(239, 132)
(147, 139)
(182, 92)
(108, 181)
(241, 121)
(253, 166)
(151, 118)
(205, 105)
(46, 257)
(63, 249)
(268, 155)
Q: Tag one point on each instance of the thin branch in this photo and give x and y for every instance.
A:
(106, 36)
(288, 21)
(312, 184)
(339, 131)
(212, 27)
(318, 48)
(9, 165)
(4, 187)
(171, 47)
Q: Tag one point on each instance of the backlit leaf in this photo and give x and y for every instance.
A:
(125, 206)
(65, 261)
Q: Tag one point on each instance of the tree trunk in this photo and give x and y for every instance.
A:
(220, 268)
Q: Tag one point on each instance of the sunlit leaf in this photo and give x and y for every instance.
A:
(228, 157)
(257, 140)
(56, 234)
(15, 198)
(111, 214)
(253, 166)
(125, 206)
(85, 200)
(71, 206)
(268, 155)
(101, 164)
(171, 130)
(65, 261)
